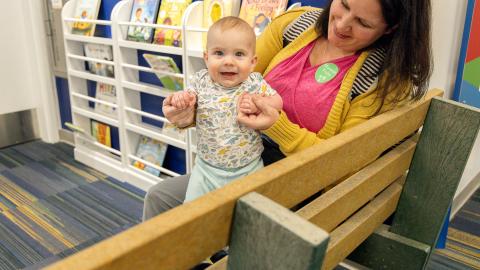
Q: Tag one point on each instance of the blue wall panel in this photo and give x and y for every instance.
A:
(63, 101)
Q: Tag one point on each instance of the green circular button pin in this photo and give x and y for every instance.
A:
(326, 72)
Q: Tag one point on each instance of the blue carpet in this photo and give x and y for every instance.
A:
(52, 206)
(463, 240)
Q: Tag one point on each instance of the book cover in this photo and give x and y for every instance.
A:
(152, 151)
(259, 13)
(143, 11)
(103, 52)
(101, 132)
(213, 10)
(105, 92)
(165, 64)
(171, 13)
(85, 9)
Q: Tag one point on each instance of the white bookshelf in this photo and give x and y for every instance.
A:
(129, 113)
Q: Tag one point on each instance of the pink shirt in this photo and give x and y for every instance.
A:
(306, 101)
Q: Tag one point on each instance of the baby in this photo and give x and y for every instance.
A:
(226, 150)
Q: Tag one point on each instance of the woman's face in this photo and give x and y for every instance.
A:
(355, 24)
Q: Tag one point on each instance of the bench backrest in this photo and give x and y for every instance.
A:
(180, 238)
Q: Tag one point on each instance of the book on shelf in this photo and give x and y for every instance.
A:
(103, 52)
(105, 92)
(165, 64)
(150, 150)
(174, 132)
(171, 13)
(213, 10)
(143, 11)
(259, 13)
(85, 9)
(101, 132)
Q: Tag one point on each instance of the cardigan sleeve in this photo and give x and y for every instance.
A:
(291, 137)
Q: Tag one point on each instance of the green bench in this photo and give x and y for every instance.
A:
(251, 215)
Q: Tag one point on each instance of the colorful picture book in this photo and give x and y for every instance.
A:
(259, 13)
(103, 52)
(143, 11)
(171, 13)
(165, 64)
(105, 92)
(101, 132)
(152, 151)
(213, 10)
(85, 9)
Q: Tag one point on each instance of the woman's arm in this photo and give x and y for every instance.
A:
(292, 138)
(289, 136)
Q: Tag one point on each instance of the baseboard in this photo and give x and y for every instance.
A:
(465, 194)
(66, 136)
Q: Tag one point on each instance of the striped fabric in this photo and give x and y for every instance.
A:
(52, 206)
(299, 25)
(368, 74)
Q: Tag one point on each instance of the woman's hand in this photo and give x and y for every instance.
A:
(265, 117)
(180, 109)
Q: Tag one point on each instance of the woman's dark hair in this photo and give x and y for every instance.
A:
(408, 48)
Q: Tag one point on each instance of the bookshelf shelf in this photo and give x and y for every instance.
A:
(136, 109)
(155, 134)
(99, 145)
(146, 88)
(96, 40)
(90, 113)
(90, 76)
(150, 47)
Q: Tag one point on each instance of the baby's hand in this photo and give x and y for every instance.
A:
(183, 100)
(246, 104)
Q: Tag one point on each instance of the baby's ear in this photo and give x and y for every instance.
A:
(254, 61)
(205, 56)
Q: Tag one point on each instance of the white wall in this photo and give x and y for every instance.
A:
(16, 88)
(25, 73)
(447, 27)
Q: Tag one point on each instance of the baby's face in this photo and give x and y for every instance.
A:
(230, 57)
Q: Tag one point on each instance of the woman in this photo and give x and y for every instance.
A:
(361, 58)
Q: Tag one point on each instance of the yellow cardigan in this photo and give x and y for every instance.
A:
(343, 115)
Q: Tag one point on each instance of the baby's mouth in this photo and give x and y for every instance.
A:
(228, 73)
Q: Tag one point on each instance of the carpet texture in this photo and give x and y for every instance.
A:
(463, 240)
(52, 206)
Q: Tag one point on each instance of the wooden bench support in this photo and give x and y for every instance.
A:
(266, 235)
(387, 250)
(448, 135)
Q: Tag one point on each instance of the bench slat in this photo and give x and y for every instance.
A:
(333, 207)
(180, 238)
(349, 235)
